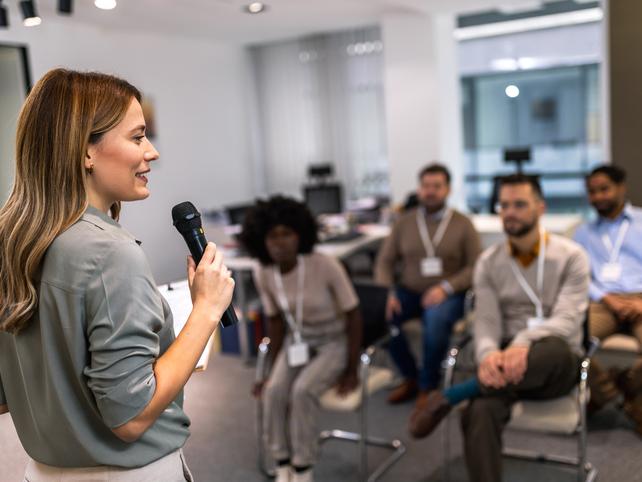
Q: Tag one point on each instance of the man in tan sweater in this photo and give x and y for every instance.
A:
(531, 298)
(435, 248)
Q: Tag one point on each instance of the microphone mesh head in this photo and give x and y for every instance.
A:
(186, 217)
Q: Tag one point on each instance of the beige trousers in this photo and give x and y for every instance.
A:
(291, 400)
(171, 468)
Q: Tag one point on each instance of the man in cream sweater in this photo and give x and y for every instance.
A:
(531, 299)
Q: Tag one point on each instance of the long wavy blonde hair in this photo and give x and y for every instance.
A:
(65, 112)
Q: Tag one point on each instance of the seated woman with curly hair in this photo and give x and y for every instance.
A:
(314, 316)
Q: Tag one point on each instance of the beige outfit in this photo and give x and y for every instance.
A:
(458, 250)
(292, 394)
(170, 468)
(604, 323)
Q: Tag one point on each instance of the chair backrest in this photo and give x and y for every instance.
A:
(372, 303)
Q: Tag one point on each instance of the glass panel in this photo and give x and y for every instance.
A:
(555, 112)
(12, 95)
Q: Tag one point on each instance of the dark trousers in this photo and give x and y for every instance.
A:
(437, 323)
(553, 370)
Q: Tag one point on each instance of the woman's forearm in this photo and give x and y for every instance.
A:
(171, 371)
(4, 409)
(276, 332)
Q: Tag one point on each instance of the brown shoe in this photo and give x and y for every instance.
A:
(629, 380)
(425, 420)
(422, 399)
(404, 392)
(633, 408)
(603, 388)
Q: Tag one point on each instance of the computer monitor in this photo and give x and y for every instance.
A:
(236, 213)
(324, 198)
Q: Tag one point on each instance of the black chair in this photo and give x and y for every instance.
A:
(372, 302)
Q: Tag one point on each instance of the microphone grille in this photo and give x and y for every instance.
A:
(186, 216)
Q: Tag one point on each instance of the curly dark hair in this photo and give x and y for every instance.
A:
(277, 210)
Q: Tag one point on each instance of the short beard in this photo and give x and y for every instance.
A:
(521, 231)
(434, 208)
(607, 211)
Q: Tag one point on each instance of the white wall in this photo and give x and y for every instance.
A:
(198, 90)
(422, 99)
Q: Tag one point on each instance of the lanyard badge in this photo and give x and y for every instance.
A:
(612, 270)
(536, 298)
(431, 265)
(298, 351)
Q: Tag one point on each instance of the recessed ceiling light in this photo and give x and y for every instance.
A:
(105, 4)
(255, 7)
(29, 14)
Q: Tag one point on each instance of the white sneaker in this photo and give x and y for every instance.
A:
(284, 474)
(302, 476)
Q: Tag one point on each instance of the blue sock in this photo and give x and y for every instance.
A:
(462, 391)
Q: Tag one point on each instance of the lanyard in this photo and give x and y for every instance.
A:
(614, 250)
(431, 245)
(535, 298)
(295, 325)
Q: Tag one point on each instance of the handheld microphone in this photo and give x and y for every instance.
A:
(187, 220)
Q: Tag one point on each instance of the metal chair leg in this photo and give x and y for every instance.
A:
(362, 439)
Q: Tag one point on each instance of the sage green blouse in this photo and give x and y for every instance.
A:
(84, 363)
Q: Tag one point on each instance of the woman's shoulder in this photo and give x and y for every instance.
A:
(84, 249)
(322, 264)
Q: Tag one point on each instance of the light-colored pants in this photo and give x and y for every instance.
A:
(171, 468)
(298, 390)
(604, 323)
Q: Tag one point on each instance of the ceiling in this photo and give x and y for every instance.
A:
(224, 20)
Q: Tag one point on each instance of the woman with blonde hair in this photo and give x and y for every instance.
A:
(90, 370)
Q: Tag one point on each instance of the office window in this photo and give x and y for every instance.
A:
(321, 101)
(536, 87)
(14, 82)
(555, 112)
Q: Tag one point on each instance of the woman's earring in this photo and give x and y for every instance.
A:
(90, 169)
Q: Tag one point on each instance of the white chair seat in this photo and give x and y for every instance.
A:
(558, 415)
(621, 343)
(378, 378)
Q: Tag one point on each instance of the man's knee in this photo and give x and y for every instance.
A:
(549, 351)
(484, 415)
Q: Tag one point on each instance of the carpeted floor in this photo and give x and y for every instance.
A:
(223, 447)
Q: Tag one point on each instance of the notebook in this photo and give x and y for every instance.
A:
(180, 301)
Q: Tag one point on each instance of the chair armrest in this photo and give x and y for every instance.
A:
(262, 361)
(593, 345)
(450, 361)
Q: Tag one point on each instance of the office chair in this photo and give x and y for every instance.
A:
(565, 415)
(372, 303)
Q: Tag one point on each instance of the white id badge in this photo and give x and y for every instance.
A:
(611, 272)
(432, 267)
(298, 354)
(534, 322)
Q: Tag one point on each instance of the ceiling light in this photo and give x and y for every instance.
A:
(65, 6)
(512, 91)
(505, 64)
(255, 7)
(31, 18)
(510, 9)
(576, 17)
(105, 4)
(4, 16)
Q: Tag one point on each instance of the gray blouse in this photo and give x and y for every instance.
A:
(84, 363)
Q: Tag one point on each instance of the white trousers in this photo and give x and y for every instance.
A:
(171, 468)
